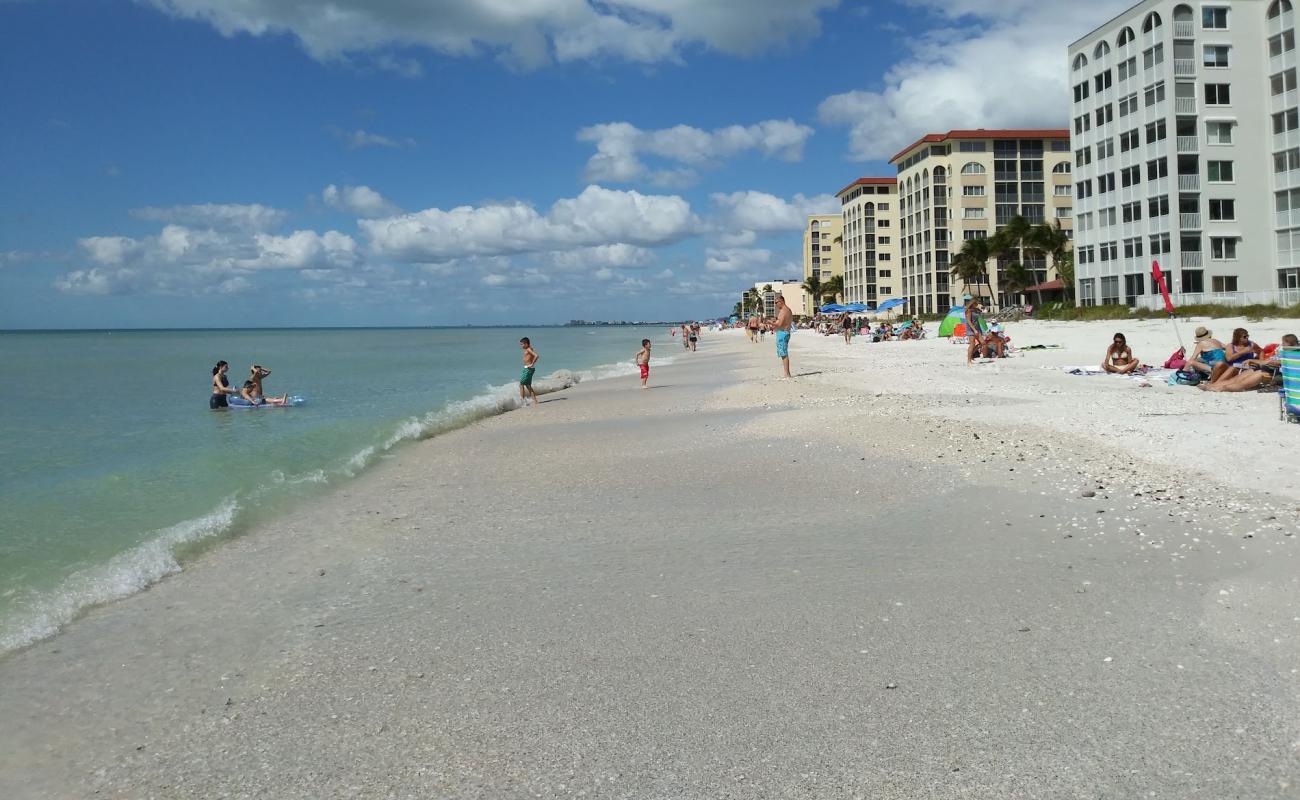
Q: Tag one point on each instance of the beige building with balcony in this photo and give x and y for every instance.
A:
(869, 225)
(1186, 139)
(966, 184)
(789, 288)
(822, 252)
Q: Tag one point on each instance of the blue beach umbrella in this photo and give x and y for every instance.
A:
(832, 308)
(856, 308)
(889, 305)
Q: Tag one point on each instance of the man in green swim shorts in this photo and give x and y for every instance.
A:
(526, 377)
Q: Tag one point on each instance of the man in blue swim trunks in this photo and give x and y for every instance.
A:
(526, 390)
(784, 324)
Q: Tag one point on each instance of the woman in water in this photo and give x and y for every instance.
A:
(220, 387)
(1119, 358)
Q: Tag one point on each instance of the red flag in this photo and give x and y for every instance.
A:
(1159, 278)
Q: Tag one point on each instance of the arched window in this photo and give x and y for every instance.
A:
(1125, 37)
(1102, 49)
(974, 167)
(1278, 8)
(814, 222)
(1182, 13)
(870, 208)
(925, 175)
(1151, 22)
(1062, 168)
(940, 173)
(1080, 61)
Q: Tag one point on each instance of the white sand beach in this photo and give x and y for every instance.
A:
(892, 577)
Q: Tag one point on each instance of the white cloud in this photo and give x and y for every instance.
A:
(361, 138)
(960, 73)
(619, 146)
(736, 259)
(596, 216)
(525, 277)
(526, 34)
(619, 255)
(97, 281)
(255, 217)
(740, 213)
(360, 200)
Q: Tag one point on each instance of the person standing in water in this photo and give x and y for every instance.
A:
(220, 387)
(526, 377)
(782, 326)
(643, 362)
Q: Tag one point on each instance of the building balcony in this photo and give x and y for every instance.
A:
(1187, 144)
(1184, 67)
(1062, 179)
(1184, 30)
(1189, 183)
(974, 179)
(1190, 258)
(1184, 105)
(1189, 222)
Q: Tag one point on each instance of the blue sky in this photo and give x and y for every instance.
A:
(179, 163)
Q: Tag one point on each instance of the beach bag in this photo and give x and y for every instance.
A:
(1176, 361)
(1184, 377)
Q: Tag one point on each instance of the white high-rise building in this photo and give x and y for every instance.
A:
(1186, 140)
(869, 214)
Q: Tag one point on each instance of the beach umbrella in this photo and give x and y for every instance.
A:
(856, 308)
(832, 308)
(1158, 278)
(956, 316)
(890, 305)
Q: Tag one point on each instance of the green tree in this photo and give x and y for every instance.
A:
(833, 286)
(971, 263)
(1052, 242)
(737, 310)
(813, 286)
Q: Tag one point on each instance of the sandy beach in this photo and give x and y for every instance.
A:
(892, 577)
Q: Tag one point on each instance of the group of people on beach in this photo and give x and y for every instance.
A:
(1241, 365)
(982, 340)
(250, 392)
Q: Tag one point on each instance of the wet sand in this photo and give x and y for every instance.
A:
(725, 586)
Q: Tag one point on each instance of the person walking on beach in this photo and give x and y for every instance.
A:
(974, 328)
(643, 361)
(752, 326)
(783, 325)
(694, 331)
(526, 377)
(847, 325)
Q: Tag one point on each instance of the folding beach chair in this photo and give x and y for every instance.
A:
(1289, 396)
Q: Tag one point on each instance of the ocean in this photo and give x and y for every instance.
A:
(114, 470)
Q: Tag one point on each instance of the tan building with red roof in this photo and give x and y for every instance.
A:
(966, 184)
(869, 224)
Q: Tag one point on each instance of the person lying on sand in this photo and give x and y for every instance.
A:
(1119, 358)
(1252, 374)
(1207, 353)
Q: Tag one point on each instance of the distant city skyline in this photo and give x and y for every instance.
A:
(175, 163)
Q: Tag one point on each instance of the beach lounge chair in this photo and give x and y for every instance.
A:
(1289, 396)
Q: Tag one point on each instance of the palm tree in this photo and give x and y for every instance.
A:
(737, 310)
(1052, 242)
(834, 286)
(972, 262)
(1017, 277)
(813, 285)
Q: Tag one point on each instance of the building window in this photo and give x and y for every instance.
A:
(1223, 210)
(883, 240)
(1131, 212)
(1087, 288)
(1218, 132)
(976, 168)
(1110, 290)
(1158, 206)
(1063, 212)
(1062, 191)
(1214, 19)
(1284, 81)
(1153, 56)
(1156, 131)
(1130, 176)
(1159, 243)
(1127, 69)
(1286, 160)
(1193, 281)
(1284, 121)
(1106, 217)
(1083, 156)
(1104, 114)
(972, 213)
(1105, 149)
(1157, 168)
(1217, 94)
(1284, 42)
(1223, 283)
(1154, 94)
(1216, 56)
(1102, 81)
(1223, 248)
(1106, 183)
(1128, 105)
(979, 147)
(1133, 247)
(1107, 251)
(1219, 171)
(1129, 140)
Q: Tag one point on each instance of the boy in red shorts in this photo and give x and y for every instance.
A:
(643, 361)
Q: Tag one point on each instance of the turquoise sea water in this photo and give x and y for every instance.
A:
(114, 470)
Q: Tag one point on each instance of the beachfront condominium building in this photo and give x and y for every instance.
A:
(1186, 139)
(967, 184)
(869, 221)
(822, 251)
(790, 289)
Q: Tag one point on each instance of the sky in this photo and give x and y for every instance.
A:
(264, 163)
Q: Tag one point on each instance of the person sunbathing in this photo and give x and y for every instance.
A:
(1207, 354)
(1252, 374)
(1119, 358)
(1240, 350)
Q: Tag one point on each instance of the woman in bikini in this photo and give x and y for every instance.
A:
(1119, 358)
(1240, 350)
(1252, 373)
(220, 387)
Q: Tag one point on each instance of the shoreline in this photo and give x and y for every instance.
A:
(630, 593)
